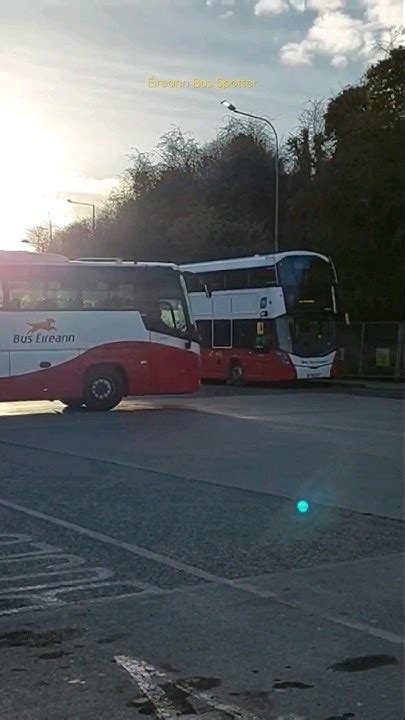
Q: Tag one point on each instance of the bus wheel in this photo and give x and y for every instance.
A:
(104, 388)
(235, 373)
(74, 404)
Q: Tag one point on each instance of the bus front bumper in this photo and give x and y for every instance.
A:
(315, 367)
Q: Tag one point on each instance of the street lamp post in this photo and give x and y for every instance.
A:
(92, 205)
(50, 227)
(232, 108)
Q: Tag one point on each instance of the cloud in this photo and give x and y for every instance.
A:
(221, 3)
(340, 36)
(323, 6)
(332, 34)
(270, 7)
(339, 62)
(299, 5)
(295, 54)
(335, 33)
(386, 13)
(83, 185)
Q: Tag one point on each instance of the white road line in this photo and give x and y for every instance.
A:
(228, 708)
(313, 610)
(44, 550)
(144, 675)
(14, 538)
(325, 566)
(134, 549)
(57, 604)
(203, 574)
(96, 574)
(44, 590)
(293, 425)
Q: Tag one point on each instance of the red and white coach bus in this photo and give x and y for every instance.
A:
(269, 318)
(88, 332)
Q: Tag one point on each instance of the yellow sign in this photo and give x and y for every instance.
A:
(382, 357)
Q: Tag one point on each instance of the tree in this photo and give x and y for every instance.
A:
(39, 237)
(75, 240)
(351, 205)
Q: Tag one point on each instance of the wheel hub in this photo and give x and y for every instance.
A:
(101, 388)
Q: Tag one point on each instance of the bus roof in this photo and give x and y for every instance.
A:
(25, 257)
(247, 262)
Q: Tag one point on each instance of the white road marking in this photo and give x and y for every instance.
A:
(57, 580)
(146, 677)
(204, 575)
(230, 709)
(134, 549)
(293, 425)
(13, 539)
(72, 566)
(96, 574)
(44, 550)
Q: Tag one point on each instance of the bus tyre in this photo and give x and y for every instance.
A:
(104, 388)
(235, 373)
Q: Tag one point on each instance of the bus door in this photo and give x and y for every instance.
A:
(263, 347)
(4, 354)
(4, 343)
(4, 363)
(174, 355)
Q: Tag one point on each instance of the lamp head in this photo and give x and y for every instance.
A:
(228, 105)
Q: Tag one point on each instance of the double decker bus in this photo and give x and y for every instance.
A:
(269, 317)
(88, 332)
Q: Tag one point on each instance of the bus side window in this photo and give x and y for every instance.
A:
(205, 330)
(244, 334)
(25, 293)
(193, 282)
(61, 289)
(214, 280)
(222, 333)
(261, 277)
(236, 279)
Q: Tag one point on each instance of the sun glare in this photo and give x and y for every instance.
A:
(31, 170)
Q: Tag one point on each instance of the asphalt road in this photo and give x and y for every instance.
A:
(153, 562)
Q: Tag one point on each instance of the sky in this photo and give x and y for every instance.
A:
(83, 83)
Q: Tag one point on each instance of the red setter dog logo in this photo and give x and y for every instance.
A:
(46, 325)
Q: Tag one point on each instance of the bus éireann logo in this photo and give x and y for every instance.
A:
(46, 325)
(43, 332)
